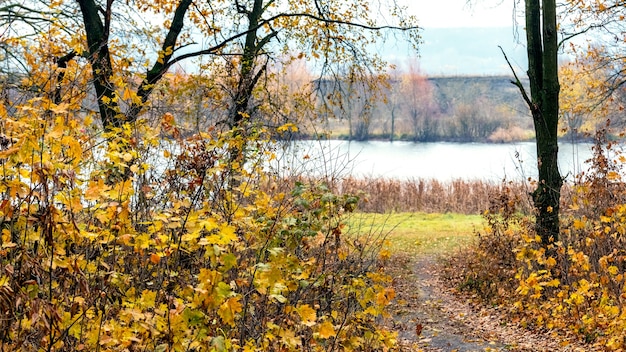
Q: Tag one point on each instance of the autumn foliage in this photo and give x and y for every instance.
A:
(136, 209)
(140, 239)
(574, 286)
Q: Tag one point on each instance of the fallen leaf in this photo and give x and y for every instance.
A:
(418, 329)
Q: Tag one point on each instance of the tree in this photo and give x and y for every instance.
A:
(582, 104)
(117, 40)
(472, 122)
(178, 254)
(420, 105)
(542, 50)
(392, 102)
(603, 52)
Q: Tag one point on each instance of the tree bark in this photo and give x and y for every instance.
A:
(160, 67)
(100, 60)
(542, 51)
(247, 77)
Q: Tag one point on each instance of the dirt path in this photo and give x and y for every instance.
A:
(429, 317)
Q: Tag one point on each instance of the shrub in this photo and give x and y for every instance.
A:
(576, 285)
(143, 240)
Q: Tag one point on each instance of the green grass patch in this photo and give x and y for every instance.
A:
(417, 233)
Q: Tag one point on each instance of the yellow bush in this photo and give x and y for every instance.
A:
(128, 242)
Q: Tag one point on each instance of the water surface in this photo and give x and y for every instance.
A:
(442, 161)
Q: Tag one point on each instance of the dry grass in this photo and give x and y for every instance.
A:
(431, 196)
(380, 195)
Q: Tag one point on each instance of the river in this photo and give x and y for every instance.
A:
(441, 161)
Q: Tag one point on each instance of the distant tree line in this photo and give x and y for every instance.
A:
(418, 108)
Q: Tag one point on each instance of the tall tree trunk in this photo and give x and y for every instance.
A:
(97, 31)
(97, 34)
(247, 77)
(542, 50)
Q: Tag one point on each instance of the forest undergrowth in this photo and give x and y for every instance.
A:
(141, 240)
(574, 286)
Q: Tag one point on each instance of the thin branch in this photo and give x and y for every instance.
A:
(576, 34)
(517, 81)
(214, 49)
(346, 23)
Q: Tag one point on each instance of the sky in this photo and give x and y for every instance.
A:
(463, 13)
(463, 38)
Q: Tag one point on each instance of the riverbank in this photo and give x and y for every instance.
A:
(384, 196)
(517, 136)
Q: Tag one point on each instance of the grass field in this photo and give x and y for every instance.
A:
(417, 233)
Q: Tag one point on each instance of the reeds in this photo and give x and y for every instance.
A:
(431, 196)
(381, 195)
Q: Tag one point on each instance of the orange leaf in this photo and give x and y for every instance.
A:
(155, 258)
(127, 94)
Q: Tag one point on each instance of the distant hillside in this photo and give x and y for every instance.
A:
(468, 89)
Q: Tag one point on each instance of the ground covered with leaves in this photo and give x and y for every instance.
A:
(431, 314)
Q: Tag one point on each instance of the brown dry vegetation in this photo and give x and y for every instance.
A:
(381, 195)
(431, 196)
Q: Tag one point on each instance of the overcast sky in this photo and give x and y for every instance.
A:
(462, 13)
(463, 37)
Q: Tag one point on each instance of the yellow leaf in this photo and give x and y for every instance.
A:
(127, 94)
(74, 150)
(385, 296)
(613, 270)
(95, 189)
(9, 245)
(228, 234)
(578, 224)
(307, 314)
(576, 299)
(147, 299)
(287, 127)
(385, 254)
(7, 152)
(553, 283)
(228, 309)
(326, 330)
